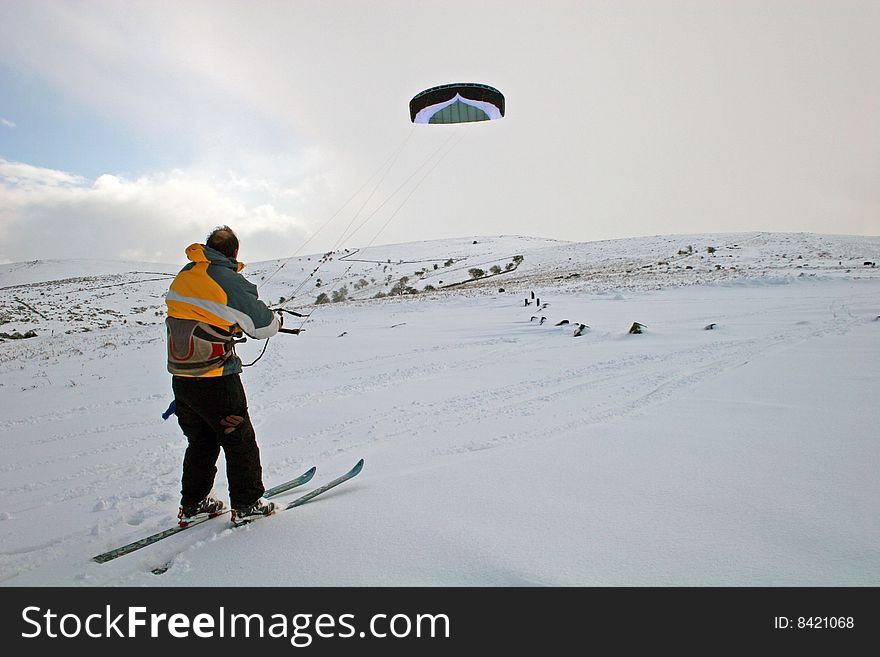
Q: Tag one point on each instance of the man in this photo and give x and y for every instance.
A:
(210, 306)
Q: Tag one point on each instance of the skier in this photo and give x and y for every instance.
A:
(210, 306)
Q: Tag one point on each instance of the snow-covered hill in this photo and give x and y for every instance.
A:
(500, 449)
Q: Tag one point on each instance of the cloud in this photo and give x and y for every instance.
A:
(6, 123)
(621, 121)
(45, 213)
(28, 177)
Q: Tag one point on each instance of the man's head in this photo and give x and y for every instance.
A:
(222, 239)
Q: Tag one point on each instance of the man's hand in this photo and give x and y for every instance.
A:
(230, 422)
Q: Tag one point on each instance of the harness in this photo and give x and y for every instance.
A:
(195, 348)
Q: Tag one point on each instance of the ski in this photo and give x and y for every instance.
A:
(323, 489)
(159, 570)
(299, 501)
(304, 478)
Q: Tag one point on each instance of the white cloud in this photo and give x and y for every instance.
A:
(26, 176)
(7, 123)
(49, 213)
(623, 118)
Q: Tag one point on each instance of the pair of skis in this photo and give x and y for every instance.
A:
(304, 478)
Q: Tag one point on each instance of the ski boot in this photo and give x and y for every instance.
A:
(207, 508)
(244, 515)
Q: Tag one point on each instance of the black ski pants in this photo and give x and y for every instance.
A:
(201, 402)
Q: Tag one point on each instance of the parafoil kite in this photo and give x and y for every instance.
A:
(457, 103)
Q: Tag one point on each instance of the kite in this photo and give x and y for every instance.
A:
(457, 103)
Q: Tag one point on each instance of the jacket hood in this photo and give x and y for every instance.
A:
(202, 253)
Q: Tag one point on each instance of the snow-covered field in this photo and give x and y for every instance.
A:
(500, 449)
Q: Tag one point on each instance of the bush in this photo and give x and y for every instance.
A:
(476, 273)
(400, 287)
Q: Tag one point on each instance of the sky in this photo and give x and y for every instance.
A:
(129, 129)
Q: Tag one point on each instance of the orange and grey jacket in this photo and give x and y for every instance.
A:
(210, 305)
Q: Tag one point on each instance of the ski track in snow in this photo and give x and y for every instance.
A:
(462, 372)
(634, 382)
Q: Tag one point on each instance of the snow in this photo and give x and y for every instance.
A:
(499, 451)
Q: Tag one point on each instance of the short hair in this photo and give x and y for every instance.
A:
(222, 239)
